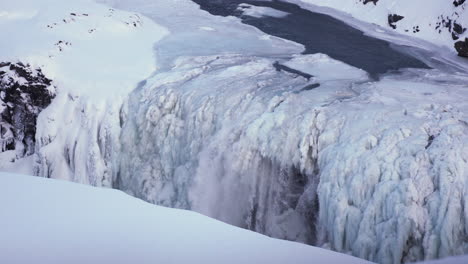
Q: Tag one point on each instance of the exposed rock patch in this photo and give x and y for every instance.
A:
(458, 29)
(371, 1)
(462, 48)
(457, 3)
(24, 92)
(393, 18)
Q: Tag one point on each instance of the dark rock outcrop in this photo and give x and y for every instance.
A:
(462, 48)
(371, 1)
(393, 18)
(458, 29)
(457, 3)
(24, 92)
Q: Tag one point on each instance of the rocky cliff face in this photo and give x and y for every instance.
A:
(24, 92)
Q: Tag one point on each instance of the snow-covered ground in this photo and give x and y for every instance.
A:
(79, 44)
(51, 221)
(184, 109)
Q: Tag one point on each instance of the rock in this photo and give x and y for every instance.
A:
(24, 92)
(458, 29)
(393, 18)
(462, 48)
(457, 3)
(373, 1)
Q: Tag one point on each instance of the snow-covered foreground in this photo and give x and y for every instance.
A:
(51, 221)
(373, 168)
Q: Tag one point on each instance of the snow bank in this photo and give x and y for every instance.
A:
(62, 222)
(450, 260)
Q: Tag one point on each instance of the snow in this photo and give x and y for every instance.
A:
(62, 222)
(22, 166)
(450, 260)
(186, 22)
(79, 45)
(260, 11)
(325, 68)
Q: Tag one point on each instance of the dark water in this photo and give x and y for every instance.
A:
(321, 33)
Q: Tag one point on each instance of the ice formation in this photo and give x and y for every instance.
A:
(358, 166)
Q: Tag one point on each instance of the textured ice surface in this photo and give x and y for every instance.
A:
(377, 169)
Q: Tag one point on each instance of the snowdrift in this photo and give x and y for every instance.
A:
(51, 221)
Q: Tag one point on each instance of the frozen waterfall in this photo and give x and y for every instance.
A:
(354, 165)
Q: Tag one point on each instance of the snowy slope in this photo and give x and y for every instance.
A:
(442, 22)
(450, 260)
(50, 221)
(77, 44)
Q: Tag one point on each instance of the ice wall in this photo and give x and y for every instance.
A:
(77, 140)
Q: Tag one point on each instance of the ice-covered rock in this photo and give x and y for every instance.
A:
(24, 93)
